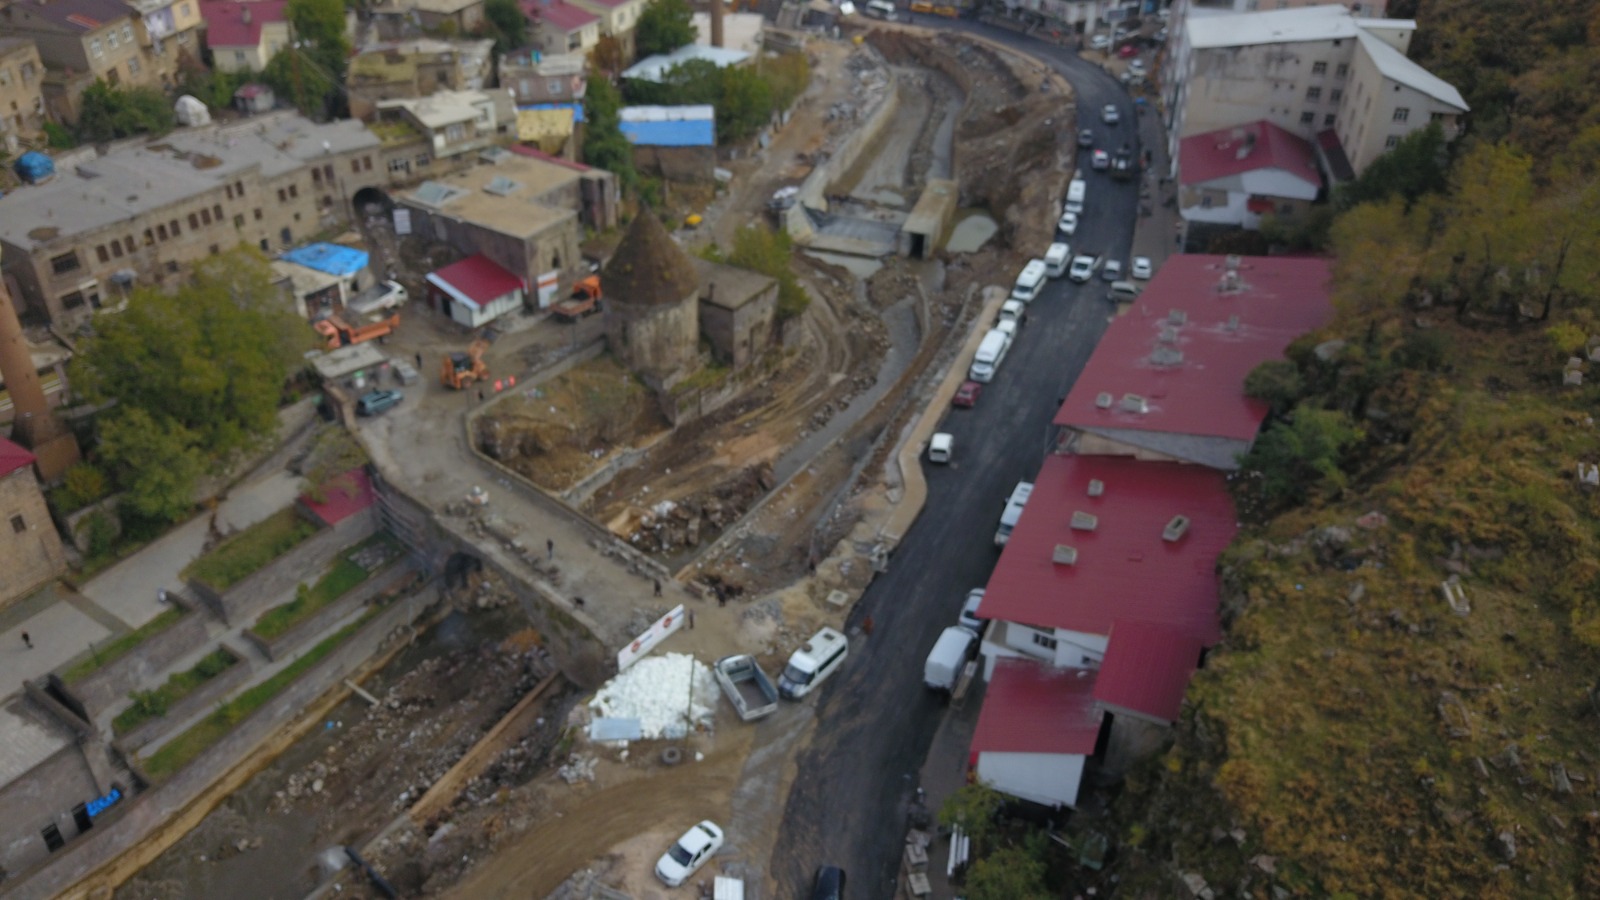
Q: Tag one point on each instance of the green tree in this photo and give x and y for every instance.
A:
(110, 112)
(744, 104)
(1010, 873)
(206, 361)
(320, 24)
(973, 808)
(1487, 233)
(309, 73)
(606, 60)
(1275, 382)
(770, 252)
(296, 77)
(155, 461)
(508, 24)
(1289, 461)
(664, 26)
(1416, 166)
(603, 143)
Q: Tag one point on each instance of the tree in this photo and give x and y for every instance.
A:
(320, 24)
(110, 112)
(606, 59)
(770, 252)
(1486, 223)
(1275, 382)
(744, 106)
(310, 71)
(156, 462)
(509, 25)
(294, 76)
(973, 808)
(664, 26)
(1416, 166)
(1010, 873)
(1288, 461)
(603, 143)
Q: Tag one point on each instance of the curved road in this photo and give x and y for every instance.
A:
(875, 720)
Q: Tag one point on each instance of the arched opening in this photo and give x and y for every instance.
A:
(372, 201)
(459, 567)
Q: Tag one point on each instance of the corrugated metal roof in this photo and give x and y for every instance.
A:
(475, 281)
(1030, 707)
(1146, 669)
(13, 457)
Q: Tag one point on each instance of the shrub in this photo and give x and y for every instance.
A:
(250, 550)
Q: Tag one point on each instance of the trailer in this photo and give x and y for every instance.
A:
(748, 688)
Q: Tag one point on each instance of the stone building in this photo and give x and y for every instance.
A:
(21, 94)
(416, 68)
(30, 549)
(652, 310)
(737, 309)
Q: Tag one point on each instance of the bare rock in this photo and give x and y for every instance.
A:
(1507, 844)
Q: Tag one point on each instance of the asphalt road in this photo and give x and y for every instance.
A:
(875, 719)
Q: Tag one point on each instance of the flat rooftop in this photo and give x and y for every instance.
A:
(507, 195)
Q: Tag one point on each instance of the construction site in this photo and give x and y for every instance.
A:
(464, 767)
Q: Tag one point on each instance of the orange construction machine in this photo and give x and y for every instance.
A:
(585, 301)
(461, 370)
(342, 334)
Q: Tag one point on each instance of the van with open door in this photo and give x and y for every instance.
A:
(811, 664)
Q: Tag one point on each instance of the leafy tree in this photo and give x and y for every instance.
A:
(110, 112)
(156, 462)
(1010, 873)
(320, 23)
(603, 143)
(744, 106)
(973, 808)
(1381, 252)
(664, 26)
(1276, 382)
(214, 89)
(1416, 166)
(606, 58)
(1288, 461)
(508, 24)
(789, 74)
(310, 71)
(686, 84)
(770, 252)
(205, 363)
(294, 76)
(1486, 226)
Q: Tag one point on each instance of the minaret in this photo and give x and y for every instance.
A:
(33, 424)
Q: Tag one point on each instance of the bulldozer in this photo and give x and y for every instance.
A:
(460, 371)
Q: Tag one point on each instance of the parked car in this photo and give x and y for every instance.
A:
(1128, 51)
(1082, 268)
(690, 852)
(1101, 161)
(1086, 137)
(1012, 310)
(1110, 115)
(1112, 270)
(1136, 67)
(967, 395)
(941, 448)
(969, 612)
(1142, 268)
(375, 402)
(1068, 224)
(1100, 41)
(829, 884)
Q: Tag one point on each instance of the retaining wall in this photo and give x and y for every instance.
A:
(391, 579)
(814, 190)
(261, 589)
(200, 698)
(108, 685)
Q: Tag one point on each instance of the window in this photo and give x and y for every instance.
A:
(455, 132)
(127, 34)
(127, 243)
(258, 214)
(554, 87)
(161, 232)
(172, 267)
(94, 48)
(183, 37)
(1320, 68)
(111, 40)
(238, 220)
(1401, 114)
(157, 47)
(398, 165)
(238, 189)
(215, 249)
(5, 77)
(183, 9)
(423, 159)
(265, 245)
(1307, 117)
(18, 525)
(1435, 117)
(205, 217)
(1285, 209)
(366, 164)
(27, 72)
(133, 67)
(327, 172)
(100, 251)
(316, 175)
(355, 166)
(116, 249)
(1313, 94)
(1341, 71)
(173, 225)
(283, 196)
(66, 262)
(72, 300)
(294, 190)
(228, 191)
(216, 212)
(1335, 95)
(194, 222)
(1045, 641)
(52, 838)
(1327, 121)
(1391, 142)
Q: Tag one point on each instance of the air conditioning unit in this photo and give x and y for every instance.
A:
(1064, 555)
(1135, 404)
(1096, 487)
(1082, 521)
(1104, 400)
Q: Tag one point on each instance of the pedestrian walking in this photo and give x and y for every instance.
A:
(722, 599)
(691, 620)
(550, 548)
(27, 641)
(480, 395)
(419, 360)
(658, 587)
(578, 602)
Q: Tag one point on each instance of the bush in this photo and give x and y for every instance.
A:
(83, 484)
(250, 550)
(154, 704)
(1275, 382)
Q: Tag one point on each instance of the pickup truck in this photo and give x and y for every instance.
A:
(748, 688)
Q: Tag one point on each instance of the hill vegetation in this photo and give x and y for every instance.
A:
(1406, 701)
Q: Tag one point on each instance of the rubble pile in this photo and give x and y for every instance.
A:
(670, 525)
(578, 768)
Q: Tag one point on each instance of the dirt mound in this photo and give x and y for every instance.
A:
(671, 525)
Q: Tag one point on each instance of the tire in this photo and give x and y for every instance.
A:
(671, 756)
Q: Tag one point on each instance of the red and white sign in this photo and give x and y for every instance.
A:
(655, 634)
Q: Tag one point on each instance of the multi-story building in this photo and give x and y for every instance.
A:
(560, 27)
(412, 18)
(534, 77)
(81, 41)
(617, 19)
(168, 31)
(416, 68)
(1319, 72)
(453, 124)
(244, 36)
(142, 211)
(21, 94)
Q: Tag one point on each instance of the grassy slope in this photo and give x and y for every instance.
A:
(1342, 722)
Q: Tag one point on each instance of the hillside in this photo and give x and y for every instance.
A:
(1358, 733)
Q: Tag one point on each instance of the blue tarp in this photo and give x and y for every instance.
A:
(577, 108)
(693, 133)
(329, 258)
(34, 166)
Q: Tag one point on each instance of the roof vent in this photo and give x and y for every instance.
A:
(1082, 521)
(502, 186)
(1104, 400)
(1168, 335)
(1177, 317)
(1166, 356)
(1096, 487)
(1230, 281)
(1233, 323)
(1232, 262)
(1064, 555)
(1135, 404)
(1177, 528)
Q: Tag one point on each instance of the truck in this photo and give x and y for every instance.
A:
(585, 301)
(342, 332)
(748, 688)
(383, 296)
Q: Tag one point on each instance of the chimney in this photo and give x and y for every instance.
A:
(34, 426)
(716, 23)
(244, 16)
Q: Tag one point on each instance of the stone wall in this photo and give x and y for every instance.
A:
(683, 407)
(687, 164)
(77, 525)
(661, 343)
(814, 190)
(397, 575)
(103, 688)
(255, 593)
(202, 697)
(32, 803)
(30, 549)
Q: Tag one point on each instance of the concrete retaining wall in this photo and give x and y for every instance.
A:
(261, 589)
(200, 698)
(391, 579)
(105, 687)
(814, 190)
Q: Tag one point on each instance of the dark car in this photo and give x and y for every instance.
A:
(967, 395)
(1086, 137)
(377, 401)
(829, 884)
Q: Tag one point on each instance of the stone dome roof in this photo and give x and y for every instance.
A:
(649, 268)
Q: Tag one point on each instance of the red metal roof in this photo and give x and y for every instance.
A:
(1146, 669)
(478, 279)
(342, 497)
(1125, 569)
(1246, 148)
(13, 457)
(536, 153)
(1202, 394)
(225, 24)
(564, 16)
(1030, 707)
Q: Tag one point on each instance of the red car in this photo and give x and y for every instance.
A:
(1128, 51)
(967, 395)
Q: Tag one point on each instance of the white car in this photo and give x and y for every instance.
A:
(969, 612)
(1142, 268)
(1110, 115)
(1112, 270)
(1100, 41)
(691, 851)
(1082, 268)
(1068, 224)
(941, 448)
(1011, 311)
(1136, 66)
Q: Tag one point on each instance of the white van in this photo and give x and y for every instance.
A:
(948, 657)
(941, 448)
(989, 356)
(1031, 281)
(1056, 259)
(808, 666)
(1012, 512)
(881, 9)
(1076, 191)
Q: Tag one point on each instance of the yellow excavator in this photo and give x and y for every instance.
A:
(460, 371)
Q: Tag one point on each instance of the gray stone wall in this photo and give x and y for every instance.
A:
(659, 343)
(34, 801)
(103, 688)
(263, 588)
(203, 697)
(691, 164)
(397, 574)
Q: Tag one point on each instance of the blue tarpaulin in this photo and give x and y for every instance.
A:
(577, 108)
(34, 166)
(329, 258)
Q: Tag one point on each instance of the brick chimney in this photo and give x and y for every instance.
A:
(716, 24)
(33, 425)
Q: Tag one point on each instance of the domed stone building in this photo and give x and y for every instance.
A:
(651, 308)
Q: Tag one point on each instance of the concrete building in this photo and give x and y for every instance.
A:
(244, 35)
(1309, 71)
(412, 18)
(617, 19)
(737, 310)
(22, 115)
(560, 27)
(148, 207)
(1234, 176)
(416, 68)
(522, 213)
(535, 77)
(1037, 730)
(453, 124)
(81, 41)
(169, 31)
(475, 291)
(930, 219)
(740, 31)
(30, 549)
(678, 143)
(652, 310)
(1375, 9)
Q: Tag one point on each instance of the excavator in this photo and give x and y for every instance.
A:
(460, 371)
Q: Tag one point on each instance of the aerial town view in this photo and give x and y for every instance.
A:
(768, 449)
